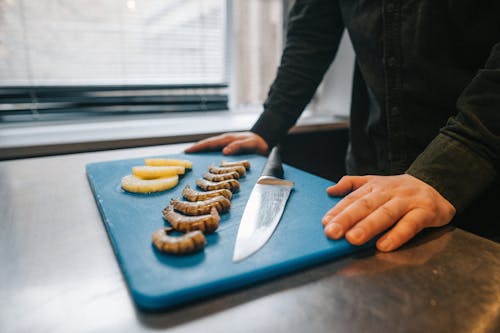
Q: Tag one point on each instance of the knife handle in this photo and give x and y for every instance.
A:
(273, 165)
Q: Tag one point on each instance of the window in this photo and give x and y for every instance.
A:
(64, 59)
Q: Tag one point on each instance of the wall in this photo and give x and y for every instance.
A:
(256, 41)
(334, 94)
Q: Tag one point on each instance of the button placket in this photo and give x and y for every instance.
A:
(392, 59)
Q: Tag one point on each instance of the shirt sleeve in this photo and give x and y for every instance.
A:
(313, 35)
(463, 160)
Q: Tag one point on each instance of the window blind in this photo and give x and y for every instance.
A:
(80, 57)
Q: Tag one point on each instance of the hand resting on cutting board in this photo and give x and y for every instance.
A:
(232, 143)
(400, 205)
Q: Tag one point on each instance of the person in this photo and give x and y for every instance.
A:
(425, 114)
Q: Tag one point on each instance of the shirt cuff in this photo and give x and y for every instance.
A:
(455, 171)
(271, 127)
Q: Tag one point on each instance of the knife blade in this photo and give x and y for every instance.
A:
(264, 208)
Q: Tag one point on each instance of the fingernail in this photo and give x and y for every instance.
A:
(356, 234)
(385, 244)
(334, 230)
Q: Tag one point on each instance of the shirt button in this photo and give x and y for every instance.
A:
(391, 61)
(394, 111)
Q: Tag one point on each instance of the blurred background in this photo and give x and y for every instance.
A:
(67, 62)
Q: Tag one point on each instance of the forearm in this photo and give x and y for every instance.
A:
(313, 35)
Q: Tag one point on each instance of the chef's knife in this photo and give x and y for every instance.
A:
(264, 208)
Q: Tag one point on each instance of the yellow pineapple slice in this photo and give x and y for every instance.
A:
(168, 162)
(135, 184)
(153, 172)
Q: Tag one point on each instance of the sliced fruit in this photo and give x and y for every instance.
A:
(153, 172)
(168, 162)
(135, 184)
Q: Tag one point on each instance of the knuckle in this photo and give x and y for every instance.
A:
(427, 200)
(406, 231)
(430, 206)
(419, 223)
(344, 179)
(345, 219)
(248, 143)
(416, 226)
(353, 196)
(234, 143)
(370, 178)
(364, 204)
(388, 212)
(408, 228)
(229, 137)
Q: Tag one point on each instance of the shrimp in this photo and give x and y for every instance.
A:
(192, 195)
(238, 168)
(221, 203)
(231, 184)
(205, 223)
(214, 177)
(188, 243)
(244, 163)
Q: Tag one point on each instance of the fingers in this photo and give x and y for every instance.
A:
(375, 223)
(212, 143)
(232, 143)
(411, 224)
(345, 184)
(378, 203)
(350, 211)
(241, 146)
(406, 225)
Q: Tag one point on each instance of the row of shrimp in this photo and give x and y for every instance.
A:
(199, 212)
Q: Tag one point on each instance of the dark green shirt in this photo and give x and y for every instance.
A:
(426, 91)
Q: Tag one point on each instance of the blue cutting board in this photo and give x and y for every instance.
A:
(157, 280)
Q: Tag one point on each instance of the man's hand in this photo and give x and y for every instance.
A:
(232, 143)
(377, 203)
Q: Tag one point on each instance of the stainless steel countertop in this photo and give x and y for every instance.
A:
(59, 273)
